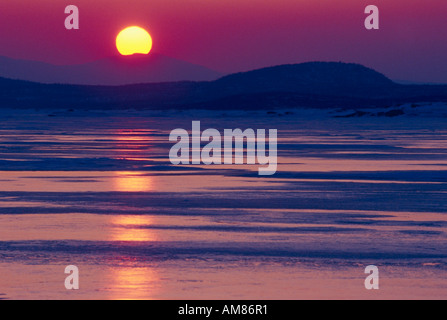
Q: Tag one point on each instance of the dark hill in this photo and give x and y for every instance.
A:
(305, 77)
(314, 84)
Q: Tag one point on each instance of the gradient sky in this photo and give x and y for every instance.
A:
(238, 35)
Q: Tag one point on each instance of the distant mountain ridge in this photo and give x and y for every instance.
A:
(296, 76)
(117, 70)
(312, 84)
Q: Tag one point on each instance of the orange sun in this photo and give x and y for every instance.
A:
(133, 40)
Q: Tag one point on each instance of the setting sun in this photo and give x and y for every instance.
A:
(133, 40)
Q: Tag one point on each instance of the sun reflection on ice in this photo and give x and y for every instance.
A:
(132, 182)
(131, 228)
(132, 282)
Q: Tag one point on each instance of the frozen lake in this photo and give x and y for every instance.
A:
(97, 190)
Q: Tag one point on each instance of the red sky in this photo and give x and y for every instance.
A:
(238, 35)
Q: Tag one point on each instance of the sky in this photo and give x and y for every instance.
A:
(238, 35)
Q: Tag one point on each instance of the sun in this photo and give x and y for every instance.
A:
(133, 40)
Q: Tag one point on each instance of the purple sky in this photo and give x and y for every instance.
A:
(238, 35)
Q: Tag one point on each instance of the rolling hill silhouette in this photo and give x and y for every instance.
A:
(312, 84)
(117, 70)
